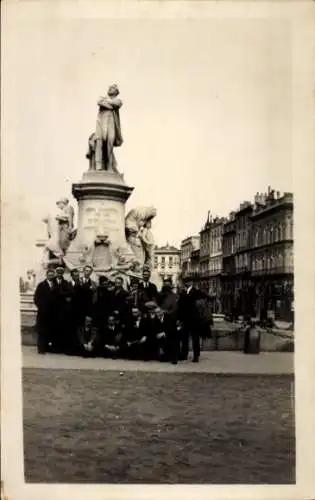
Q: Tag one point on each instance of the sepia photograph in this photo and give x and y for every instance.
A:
(152, 182)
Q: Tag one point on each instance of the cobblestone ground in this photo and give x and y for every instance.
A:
(83, 426)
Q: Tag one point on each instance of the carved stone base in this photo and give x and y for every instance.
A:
(100, 239)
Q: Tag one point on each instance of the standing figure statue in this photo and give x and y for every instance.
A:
(139, 235)
(108, 130)
(60, 228)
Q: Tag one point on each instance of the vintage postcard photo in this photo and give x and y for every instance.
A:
(151, 249)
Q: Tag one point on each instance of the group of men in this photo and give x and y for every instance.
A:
(79, 317)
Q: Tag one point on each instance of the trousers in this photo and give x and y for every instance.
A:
(190, 330)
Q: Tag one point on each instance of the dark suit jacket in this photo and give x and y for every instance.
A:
(86, 335)
(63, 306)
(169, 303)
(77, 301)
(146, 294)
(188, 311)
(104, 304)
(88, 297)
(45, 301)
(110, 337)
(120, 303)
(167, 325)
(133, 333)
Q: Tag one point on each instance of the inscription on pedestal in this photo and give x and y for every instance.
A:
(103, 220)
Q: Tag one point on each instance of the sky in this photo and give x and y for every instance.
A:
(206, 116)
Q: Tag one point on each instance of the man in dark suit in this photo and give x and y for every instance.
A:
(120, 300)
(103, 301)
(77, 310)
(189, 316)
(147, 292)
(88, 292)
(45, 301)
(110, 338)
(88, 336)
(167, 299)
(166, 336)
(136, 336)
(133, 293)
(63, 317)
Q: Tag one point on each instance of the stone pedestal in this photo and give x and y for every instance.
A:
(101, 197)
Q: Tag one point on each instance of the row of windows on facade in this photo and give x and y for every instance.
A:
(265, 261)
(213, 265)
(272, 233)
(272, 261)
(164, 262)
(260, 237)
(186, 253)
(214, 247)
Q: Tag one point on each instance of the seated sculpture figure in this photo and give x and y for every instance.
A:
(139, 235)
(59, 228)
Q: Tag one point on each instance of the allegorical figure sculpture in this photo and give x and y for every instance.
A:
(139, 235)
(60, 228)
(90, 155)
(108, 132)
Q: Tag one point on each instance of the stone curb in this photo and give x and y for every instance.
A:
(216, 363)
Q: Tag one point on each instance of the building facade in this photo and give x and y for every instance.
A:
(167, 263)
(228, 262)
(187, 267)
(272, 253)
(246, 261)
(258, 257)
(211, 259)
(204, 237)
(195, 265)
(216, 262)
(243, 287)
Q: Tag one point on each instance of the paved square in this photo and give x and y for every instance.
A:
(96, 426)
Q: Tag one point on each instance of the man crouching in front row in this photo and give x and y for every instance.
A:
(111, 338)
(87, 335)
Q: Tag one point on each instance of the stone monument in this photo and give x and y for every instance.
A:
(104, 238)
